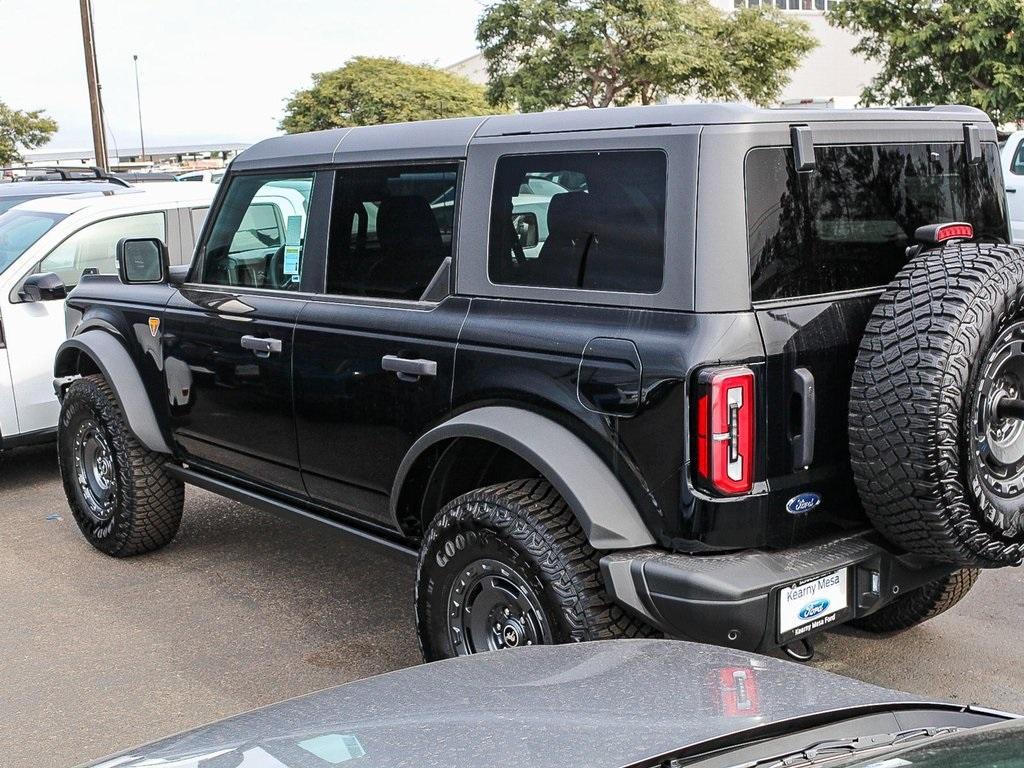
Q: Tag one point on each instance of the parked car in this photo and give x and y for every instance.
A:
(210, 175)
(1013, 172)
(32, 183)
(732, 398)
(46, 245)
(600, 705)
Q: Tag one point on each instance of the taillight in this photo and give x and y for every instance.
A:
(725, 429)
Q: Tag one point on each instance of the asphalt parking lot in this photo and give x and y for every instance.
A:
(244, 609)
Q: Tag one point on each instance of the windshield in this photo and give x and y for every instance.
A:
(19, 230)
(9, 201)
(993, 746)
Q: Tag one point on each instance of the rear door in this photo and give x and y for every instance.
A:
(822, 246)
(227, 333)
(375, 352)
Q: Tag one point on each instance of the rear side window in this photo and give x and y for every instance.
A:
(587, 221)
(846, 226)
(391, 230)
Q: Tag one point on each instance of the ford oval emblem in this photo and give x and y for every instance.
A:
(803, 503)
(816, 608)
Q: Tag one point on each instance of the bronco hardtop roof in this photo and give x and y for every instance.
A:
(450, 138)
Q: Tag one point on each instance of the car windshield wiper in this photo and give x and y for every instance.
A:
(832, 749)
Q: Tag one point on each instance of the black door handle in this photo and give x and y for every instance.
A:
(802, 437)
(1011, 191)
(406, 369)
(261, 347)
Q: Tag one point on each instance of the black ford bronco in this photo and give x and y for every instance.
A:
(727, 374)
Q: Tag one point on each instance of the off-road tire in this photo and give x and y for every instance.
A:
(526, 525)
(921, 604)
(911, 398)
(147, 501)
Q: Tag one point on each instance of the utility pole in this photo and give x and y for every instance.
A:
(138, 101)
(99, 139)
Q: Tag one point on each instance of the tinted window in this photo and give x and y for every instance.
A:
(590, 220)
(257, 238)
(391, 229)
(847, 225)
(94, 247)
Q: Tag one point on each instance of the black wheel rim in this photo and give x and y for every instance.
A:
(94, 470)
(491, 607)
(997, 442)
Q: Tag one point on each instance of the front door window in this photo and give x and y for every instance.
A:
(92, 248)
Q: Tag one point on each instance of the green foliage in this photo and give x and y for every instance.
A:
(24, 130)
(369, 91)
(941, 52)
(599, 53)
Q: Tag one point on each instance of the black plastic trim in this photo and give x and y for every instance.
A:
(288, 511)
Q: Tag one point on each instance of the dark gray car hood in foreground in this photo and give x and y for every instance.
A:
(593, 704)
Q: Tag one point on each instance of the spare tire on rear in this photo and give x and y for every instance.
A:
(937, 462)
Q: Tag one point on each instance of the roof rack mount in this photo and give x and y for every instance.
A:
(85, 173)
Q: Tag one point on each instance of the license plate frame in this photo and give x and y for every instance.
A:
(799, 606)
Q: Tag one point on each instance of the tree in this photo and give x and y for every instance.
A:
(369, 91)
(941, 52)
(26, 130)
(599, 53)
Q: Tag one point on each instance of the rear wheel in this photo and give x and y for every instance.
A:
(921, 604)
(121, 496)
(508, 566)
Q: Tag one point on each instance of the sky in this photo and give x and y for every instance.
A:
(210, 70)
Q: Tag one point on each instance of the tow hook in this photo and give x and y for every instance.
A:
(793, 650)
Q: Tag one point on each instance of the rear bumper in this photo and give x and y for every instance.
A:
(733, 599)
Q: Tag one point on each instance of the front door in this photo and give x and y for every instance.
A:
(375, 353)
(227, 334)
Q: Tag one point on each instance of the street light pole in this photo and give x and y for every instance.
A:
(138, 101)
(99, 139)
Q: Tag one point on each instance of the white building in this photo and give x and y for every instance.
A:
(831, 72)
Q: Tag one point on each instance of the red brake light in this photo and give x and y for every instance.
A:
(725, 429)
(933, 234)
(954, 232)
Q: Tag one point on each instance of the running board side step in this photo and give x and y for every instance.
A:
(286, 510)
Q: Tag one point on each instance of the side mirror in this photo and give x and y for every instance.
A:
(43, 287)
(142, 260)
(526, 229)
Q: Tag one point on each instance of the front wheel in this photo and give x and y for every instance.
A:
(121, 496)
(508, 566)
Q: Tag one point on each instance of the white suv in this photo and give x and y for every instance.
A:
(45, 246)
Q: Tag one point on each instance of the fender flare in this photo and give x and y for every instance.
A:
(117, 368)
(606, 513)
